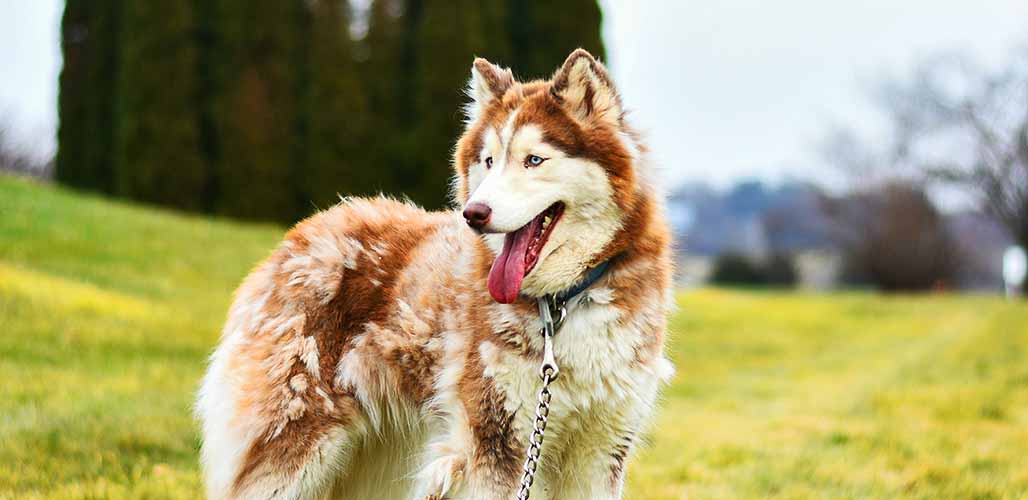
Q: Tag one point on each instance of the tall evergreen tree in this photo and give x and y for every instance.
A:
(449, 35)
(158, 154)
(379, 55)
(85, 137)
(257, 110)
(543, 33)
(386, 56)
(210, 81)
(332, 159)
(384, 81)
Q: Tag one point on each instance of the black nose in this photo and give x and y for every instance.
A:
(477, 214)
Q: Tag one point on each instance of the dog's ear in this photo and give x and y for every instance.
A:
(584, 88)
(488, 82)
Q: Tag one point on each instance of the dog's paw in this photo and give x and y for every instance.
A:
(442, 475)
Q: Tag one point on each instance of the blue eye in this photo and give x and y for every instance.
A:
(534, 161)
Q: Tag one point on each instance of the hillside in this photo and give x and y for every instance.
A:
(108, 311)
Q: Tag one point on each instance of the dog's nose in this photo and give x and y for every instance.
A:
(477, 214)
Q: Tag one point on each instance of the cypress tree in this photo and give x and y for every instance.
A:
(385, 59)
(382, 77)
(85, 135)
(450, 34)
(159, 157)
(257, 109)
(334, 115)
(378, 57)
(210, 78)
(542, 33)
(72, 104)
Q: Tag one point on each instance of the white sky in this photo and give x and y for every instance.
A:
(725, 89)
(30, 60)
(729, 89)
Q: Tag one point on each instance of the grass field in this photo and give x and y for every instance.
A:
(108, 311)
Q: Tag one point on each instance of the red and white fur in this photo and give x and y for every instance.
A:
(385, 352)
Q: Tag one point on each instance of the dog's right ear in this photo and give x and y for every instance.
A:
(488, 82)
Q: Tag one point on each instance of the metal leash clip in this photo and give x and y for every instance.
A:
(548, 307)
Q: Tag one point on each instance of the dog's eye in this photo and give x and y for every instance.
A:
(533, 161)
(489, 162)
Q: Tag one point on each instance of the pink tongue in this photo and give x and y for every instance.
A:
(509, 267)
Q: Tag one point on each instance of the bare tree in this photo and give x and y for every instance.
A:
(893, 238)
(957, 123)
(17, 160)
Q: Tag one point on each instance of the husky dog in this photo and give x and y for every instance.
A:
(385, 352)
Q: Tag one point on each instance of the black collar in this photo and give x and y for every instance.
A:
(591, 277)
(553, 308)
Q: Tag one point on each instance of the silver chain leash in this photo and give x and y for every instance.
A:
(535, 443)
(548, 371)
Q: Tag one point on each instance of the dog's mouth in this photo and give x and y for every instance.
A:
(521, 250)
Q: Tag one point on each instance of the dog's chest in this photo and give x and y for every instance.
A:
(598, 353)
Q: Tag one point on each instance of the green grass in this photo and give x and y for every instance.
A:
(107, 312)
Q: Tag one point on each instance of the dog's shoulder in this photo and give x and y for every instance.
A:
(353, 249)
(358, 238)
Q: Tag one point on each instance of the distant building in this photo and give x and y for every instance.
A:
(819, 269)
(694, 270)
(754, 221)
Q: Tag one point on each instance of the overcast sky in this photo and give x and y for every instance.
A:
(30, 60)
(725, 89)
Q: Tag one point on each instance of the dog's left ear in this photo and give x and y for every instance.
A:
(488, 82)
(584, 88)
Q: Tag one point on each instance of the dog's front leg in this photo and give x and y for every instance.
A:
(594, 463)
(443, 472)
(459, 467)
(471, 459)
(594, 469)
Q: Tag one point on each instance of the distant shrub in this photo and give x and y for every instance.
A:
(739, 270)
(733, 269)
(780, 271)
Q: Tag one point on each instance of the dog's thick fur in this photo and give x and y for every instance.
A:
(366, 359)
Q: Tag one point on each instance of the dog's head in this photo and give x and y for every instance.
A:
(546, 173)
